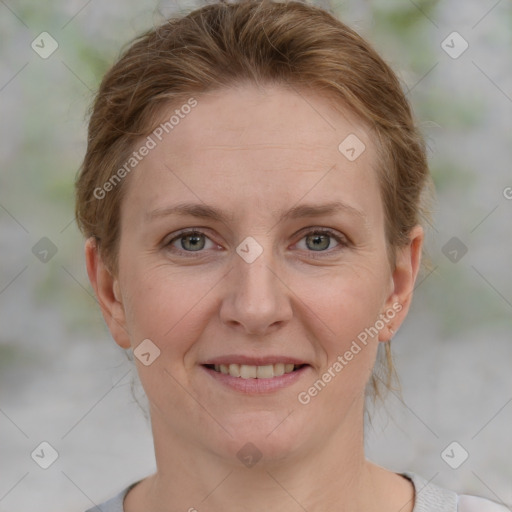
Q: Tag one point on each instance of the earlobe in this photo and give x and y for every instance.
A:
(404, 276)
(108, 293)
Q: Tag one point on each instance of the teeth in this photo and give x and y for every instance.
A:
(279, 369)
(265, 372)
(234, 370)
(246, 371)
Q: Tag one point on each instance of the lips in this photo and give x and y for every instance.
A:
(255, 379)
(246, 367)
(253, 360)
(246, 371)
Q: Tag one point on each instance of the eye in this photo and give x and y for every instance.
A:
(190, 241)
(319, 240)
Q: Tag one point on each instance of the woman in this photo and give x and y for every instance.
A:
(251, 196)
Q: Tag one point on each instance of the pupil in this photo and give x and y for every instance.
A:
(194, 242)
(318, 238)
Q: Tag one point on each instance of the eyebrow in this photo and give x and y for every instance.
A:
(204, 211)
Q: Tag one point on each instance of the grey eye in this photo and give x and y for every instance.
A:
(192, 242)
(318, 242)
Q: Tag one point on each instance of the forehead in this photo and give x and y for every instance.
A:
(272, 145)
(274, 117)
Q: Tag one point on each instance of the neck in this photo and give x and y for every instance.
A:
(331, 475)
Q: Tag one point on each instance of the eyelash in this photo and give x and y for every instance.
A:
(342, 241)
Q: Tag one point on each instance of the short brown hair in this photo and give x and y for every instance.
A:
(264, 42)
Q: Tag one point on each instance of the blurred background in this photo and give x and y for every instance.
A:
(63, 380)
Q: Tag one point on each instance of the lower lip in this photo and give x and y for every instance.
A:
(257, 386)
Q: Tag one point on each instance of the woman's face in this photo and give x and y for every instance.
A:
(291, 270)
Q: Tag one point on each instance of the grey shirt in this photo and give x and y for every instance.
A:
(428, 497)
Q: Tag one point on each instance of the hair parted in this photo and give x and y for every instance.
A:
(223, 45)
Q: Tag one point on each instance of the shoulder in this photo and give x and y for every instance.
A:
(428, 498)
(433, 498)
(114, 504)
(476, 504)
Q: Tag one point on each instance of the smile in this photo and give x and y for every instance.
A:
(245, 371)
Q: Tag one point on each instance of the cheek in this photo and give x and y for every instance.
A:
(344, 305)
(164, 305)
(346, 311)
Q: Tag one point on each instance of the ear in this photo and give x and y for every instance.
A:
(404, 275)
(108, 293)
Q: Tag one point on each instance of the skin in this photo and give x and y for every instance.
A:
(254, 152)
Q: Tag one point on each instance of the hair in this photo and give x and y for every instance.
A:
(224, 45)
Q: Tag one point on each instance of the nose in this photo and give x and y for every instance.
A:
(256, 300)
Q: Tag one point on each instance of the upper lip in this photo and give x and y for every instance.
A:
(253, 361)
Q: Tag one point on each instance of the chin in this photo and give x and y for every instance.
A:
(262, 435)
